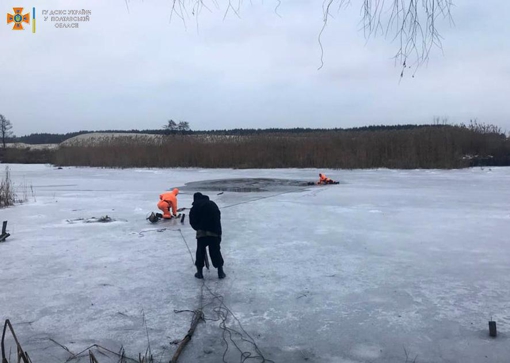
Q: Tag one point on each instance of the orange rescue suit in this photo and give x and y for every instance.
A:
(324, 180)
(168, 201)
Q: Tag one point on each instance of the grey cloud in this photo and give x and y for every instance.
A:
(136, 70)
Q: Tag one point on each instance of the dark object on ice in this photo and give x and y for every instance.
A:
(331, 182)
(105, 219)
(4, 234)
(156, 217)
(492, 329)
(153, 218)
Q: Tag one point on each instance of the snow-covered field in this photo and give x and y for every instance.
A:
(95, 138)
(21, 145)
(388, 266)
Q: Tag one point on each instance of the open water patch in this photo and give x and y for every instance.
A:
(248, 185)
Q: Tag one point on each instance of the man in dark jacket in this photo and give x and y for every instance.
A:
(205, 218)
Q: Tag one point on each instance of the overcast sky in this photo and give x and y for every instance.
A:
(138, 69)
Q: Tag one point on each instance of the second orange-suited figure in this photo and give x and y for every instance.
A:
(323, 179)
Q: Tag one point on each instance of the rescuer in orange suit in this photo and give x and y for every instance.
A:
(167, 202)
(324, 180)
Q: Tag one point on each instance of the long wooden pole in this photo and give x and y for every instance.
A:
(197, 316)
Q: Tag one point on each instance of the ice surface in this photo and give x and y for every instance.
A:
(388, 263)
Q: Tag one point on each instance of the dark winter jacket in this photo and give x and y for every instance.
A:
(205, 216)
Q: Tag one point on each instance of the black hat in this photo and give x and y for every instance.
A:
(197, 196)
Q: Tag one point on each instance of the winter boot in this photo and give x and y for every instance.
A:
(199, 274)
(221, 274)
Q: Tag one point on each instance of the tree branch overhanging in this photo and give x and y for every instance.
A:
(412, 24)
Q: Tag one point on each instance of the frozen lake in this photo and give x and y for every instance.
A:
(388, 266)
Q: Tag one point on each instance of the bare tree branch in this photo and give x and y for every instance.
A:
(411, 23)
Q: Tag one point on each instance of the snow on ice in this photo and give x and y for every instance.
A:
(388, 266)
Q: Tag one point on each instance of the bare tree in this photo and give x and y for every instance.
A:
(170, 127)
(440, 121)
(412, 23)
(183, 126)
(5, 129)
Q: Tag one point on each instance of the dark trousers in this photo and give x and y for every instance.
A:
(214, 252)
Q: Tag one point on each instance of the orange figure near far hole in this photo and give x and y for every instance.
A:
(324, 180)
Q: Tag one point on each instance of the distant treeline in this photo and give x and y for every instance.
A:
(47, 138)
(398, 147)
(403, 147)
